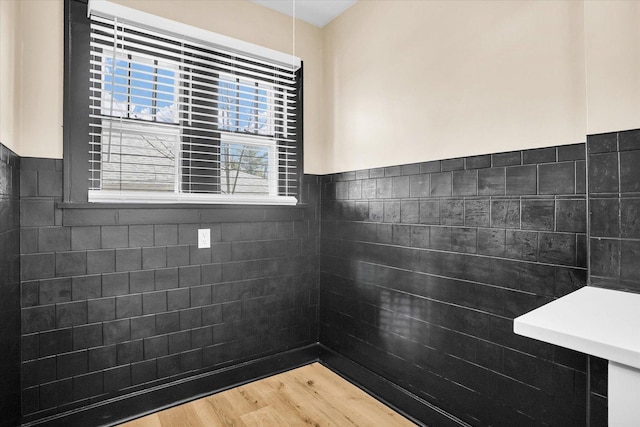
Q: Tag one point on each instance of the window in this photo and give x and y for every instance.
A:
(183, 115)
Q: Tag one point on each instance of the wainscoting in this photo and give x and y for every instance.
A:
(405, 280)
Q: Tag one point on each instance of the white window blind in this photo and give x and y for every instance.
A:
(174, 118)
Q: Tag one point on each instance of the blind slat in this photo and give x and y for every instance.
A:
(177, 115)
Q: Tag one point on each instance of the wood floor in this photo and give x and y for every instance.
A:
(308, 396)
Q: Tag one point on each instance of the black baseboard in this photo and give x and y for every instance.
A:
(408, 404)
(130, 406)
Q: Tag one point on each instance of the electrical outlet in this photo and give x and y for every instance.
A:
(204, 238)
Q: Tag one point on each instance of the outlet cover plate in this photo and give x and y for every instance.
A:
(204, 238)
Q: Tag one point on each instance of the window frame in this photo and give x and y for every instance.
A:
(76, 127)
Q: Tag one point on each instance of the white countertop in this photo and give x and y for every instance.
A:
(601, 322)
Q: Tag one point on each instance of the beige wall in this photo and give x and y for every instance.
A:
(41, 55)
(410, 81)
(9, 72)
(613, 65)
(387, 82)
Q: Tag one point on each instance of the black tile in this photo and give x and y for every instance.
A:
(71, 263)
(129, 352)
(115, 236)
(571, 152)
(143, 327)
(452, 164)
(37, 212)
(29, 294)
(557, 248)
(200, 256)
(87, 385)
(177, 299)
(154, 257)
(629, 171)
(39, 318)
(441, 184)
(391, 212)
(603, 173)
(605, 257)
(143, 372)
(522, 245)
(602, 143)
(154, 302)
(211, 273)
(430, 212)
(392, 171)
(55, 290)
(128, 306)
(28, 240)
(630, 260)
(102, 357)
(581, 177)
(384, 188)
(538, 215)
(54, 239)
(491, 242)
(465, 183)
(71, 314)
(49, 183)
(605, 217)
(629, 218)
(115, 284)
(177, 255)
(464, 240)
(629, 140)
(179, 342)
(128, 259)
(55, 393)
(142, 281)
(101, 261)
(117, 378)
(571, 215)
(116, 331)
(72, 364)
(37, 266)
(201, 337)
(166, 278)
(539, 155)
(491, 182)
(200, 295)
(521, 180)
(476, 213)
(189, 276)
(99, 310)
(188, 234)
(55, 342)
(507, 159)
(420, 185)
(452, 212)
(165, 235)
(156, 347)
(212, 314)
(87, 336)
(38, 371)
(557, 178)
(85, 238)
(478, 162)
(440, 238)
(141, 236)
(430, 167)
(505, 213)
(167, 322)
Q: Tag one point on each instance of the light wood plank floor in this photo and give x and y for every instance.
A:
(308, 396)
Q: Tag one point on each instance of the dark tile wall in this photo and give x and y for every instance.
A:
(425, 266)
(614, 204)
(116, 300)
(614, 238)
(9, 287)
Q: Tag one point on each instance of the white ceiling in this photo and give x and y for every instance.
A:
(315, 12)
